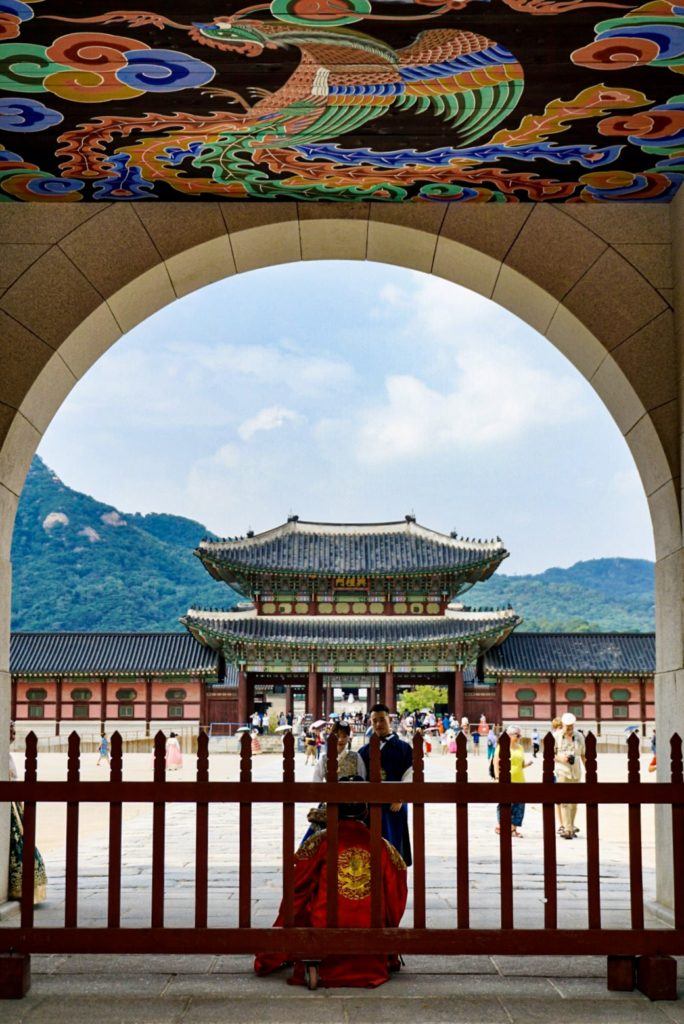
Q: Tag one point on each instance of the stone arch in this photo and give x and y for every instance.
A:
(596, 280)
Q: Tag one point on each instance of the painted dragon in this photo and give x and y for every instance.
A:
(344, 80)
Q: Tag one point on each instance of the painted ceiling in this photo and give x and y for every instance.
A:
(338, 100)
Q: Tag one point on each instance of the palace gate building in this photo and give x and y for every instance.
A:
(332, 612)
(140, 682)
(331, 600)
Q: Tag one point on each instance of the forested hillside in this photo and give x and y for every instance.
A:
(81, 564)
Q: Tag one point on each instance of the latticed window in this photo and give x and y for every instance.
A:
(176, 694)
(36, 707)
(126, 711)
(620, 698)
(575, 698)
(526, 699)
(126, 694)
(175, 710)
(80, 699)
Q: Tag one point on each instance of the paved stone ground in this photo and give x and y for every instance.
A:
(464, 989)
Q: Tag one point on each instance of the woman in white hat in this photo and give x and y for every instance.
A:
(570, 756)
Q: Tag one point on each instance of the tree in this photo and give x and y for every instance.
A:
(423, 697)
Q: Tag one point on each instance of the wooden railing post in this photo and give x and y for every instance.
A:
(376, 837)
(28, 864)
(505, 836)
(114, 887)
(593, 861)
(677, 777)
(549, 828)
(202, 835)
(71, 859)
(462, 839)
(636, 887)
(158, 829)
(418, 838)
(288, 831)
(245, 879)
(332, 820)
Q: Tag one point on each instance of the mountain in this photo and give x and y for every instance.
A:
(82, 565)
(601, 595)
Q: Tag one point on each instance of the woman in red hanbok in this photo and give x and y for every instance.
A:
(353, 902)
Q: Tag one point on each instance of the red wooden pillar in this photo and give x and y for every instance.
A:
(598, 697)
(289, 699)
(313, 695)
(459, 693)
(451, 694)
(642, 704)
(13, 712)
(58, 705)
(372, 695)
(148, 704)
(243, 697)
(498, 713)
(103, 704)
(552, 684)
(203, 705)
(390, 696)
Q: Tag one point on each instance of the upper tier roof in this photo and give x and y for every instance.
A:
(327, 549)
(350, 629)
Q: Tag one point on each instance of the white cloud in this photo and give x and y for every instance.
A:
(271, 418)
(477, 385)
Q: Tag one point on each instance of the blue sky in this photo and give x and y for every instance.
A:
(354, 392)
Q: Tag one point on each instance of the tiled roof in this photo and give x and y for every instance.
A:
(107, 653)
(321, 548)
(356, 629)
(574, 653)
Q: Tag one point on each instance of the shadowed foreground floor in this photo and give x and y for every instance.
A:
(467, 990)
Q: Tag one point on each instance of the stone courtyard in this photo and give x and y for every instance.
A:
(199, 988)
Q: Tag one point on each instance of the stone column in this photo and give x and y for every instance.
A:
(669, 591)
(5, 692)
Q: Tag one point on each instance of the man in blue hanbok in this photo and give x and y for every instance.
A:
(396, 764)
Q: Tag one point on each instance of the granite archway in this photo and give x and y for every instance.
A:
(599, 281)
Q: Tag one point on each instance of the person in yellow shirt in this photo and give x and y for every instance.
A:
(518, 765)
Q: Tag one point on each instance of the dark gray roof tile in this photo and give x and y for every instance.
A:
(107, 653)
(574, 653)
(338, 548)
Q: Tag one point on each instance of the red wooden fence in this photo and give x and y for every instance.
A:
(460, 938)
